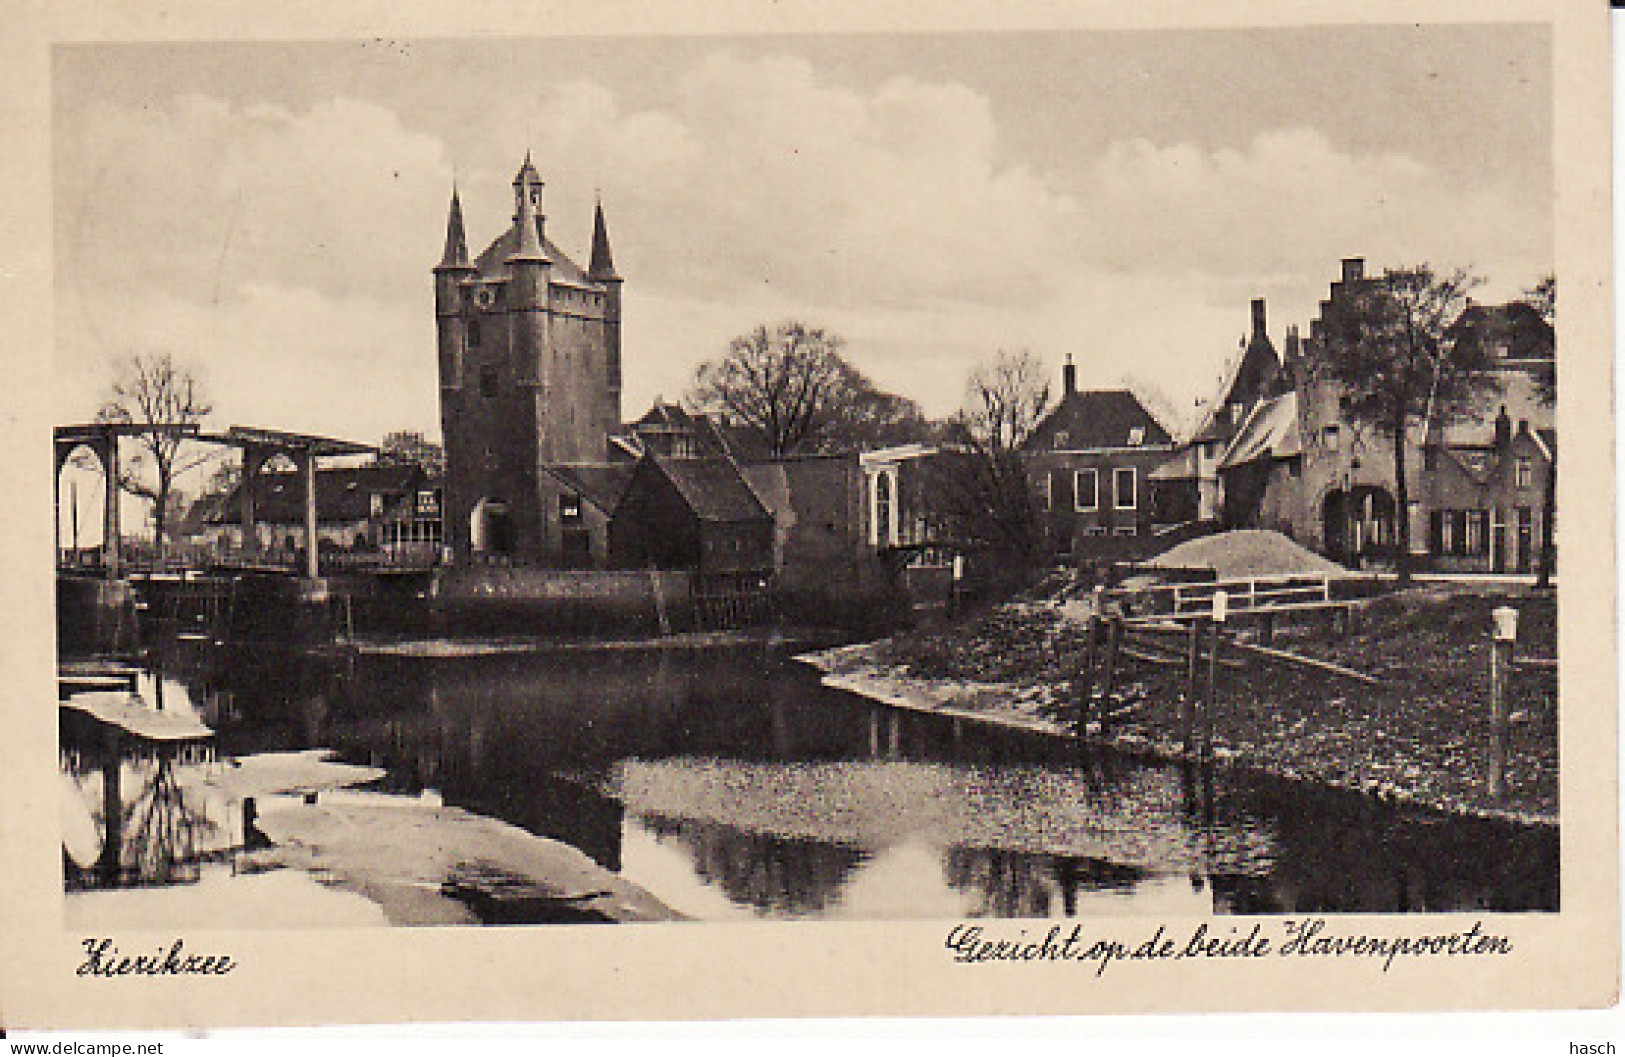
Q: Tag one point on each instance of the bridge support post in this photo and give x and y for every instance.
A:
(110, 514)
(307, 474)
(253, 460)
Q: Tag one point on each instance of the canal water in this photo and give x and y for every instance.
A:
(730, 784)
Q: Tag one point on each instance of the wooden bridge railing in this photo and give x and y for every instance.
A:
(1254, 594)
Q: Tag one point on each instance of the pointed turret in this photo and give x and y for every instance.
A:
(455, 257)
(529, 247)
(602, 266)
(527, 187)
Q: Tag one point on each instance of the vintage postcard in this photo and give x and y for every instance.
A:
(566, 514)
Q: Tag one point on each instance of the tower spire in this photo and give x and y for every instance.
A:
(602, 265)
(456, 253)
(530, 243)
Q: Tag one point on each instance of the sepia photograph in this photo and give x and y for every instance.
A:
(1060, 476)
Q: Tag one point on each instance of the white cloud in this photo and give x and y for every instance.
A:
(289, 250)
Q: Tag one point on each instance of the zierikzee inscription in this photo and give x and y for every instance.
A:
(104, 959)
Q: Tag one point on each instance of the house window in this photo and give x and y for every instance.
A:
(1136, 436)
(1447, 533)
(1430, 458)
(1046, 490)
(1523, 470)
(1085, 490)
(488, 382)
(1123, 487)
(883, 531)
(473, 333)
(1330, 438)
(1062, 438)
(569, 508)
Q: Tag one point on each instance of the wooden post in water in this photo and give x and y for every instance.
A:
(1193, 688)
(1221, 610)
(1084, 690)
(1505, 634)
(1108, 677)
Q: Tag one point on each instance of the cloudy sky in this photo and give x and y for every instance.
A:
(270, 212)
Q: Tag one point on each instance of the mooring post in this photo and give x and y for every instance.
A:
(1108, 677)
(1193, 687)
(1505, 635)
(1085, 688)
(1221, 610)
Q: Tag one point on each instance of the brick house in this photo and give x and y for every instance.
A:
(1089, 463)
(1188, 486)
(1476, 484)
(695, 514)
(359, 508)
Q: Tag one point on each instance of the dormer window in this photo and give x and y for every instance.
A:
(1136, 436)
(1062, 438)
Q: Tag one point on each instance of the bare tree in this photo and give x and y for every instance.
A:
(1005, 400)
(1394, 351)
(157, 394)
(982, 483)
(791, 386)
(864, 417)
(777, 382)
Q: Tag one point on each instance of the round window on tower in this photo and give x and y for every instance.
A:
(485, 297)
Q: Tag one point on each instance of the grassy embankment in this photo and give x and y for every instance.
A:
(1421, 735)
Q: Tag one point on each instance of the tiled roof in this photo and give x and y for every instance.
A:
(1270, 432)
(342, 493)
(712, 436)
(1250, 374)
(1097, 418)
(1182, 467)
(601, 484)
(1516, 326)
(713, 488)
(493, 263)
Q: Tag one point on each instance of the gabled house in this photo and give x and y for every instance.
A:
(1189, 485)
(1477, 483)
(354, 504)
(697, 514)
(1261, 469)
(579, 499)
(673, 431)
(1089, 463)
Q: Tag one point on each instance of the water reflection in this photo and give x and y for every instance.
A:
(731, 784)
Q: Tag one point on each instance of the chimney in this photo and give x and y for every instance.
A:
(1503, 431)
(1353, 269)
(1258, 318)
(1069, 377)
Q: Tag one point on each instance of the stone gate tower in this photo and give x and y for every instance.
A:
(530, 375)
